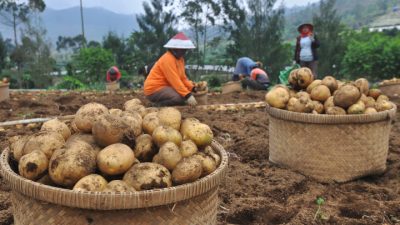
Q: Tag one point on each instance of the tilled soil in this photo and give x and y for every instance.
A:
(255, 191)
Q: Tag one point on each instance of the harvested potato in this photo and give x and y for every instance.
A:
(278, 97)
(201, 134)
(134, 121)
(346, 96)
(115, 159)
(188, 148)
(331, 83)
(363, 85)
(329, 103)
(87, 114)
(145, 149)
(68, 165)
(357, 108)
(168, 156)
(116, 112)
(207, 162)
(304, 77)
(164, 134)
(370, 110)
(151, 122)
(187, 170)
(132, 103)
(33, 165)
(46, 142)
(170, 117)
(186, 124)
(118, 186)
(303, 94)
(109, 129)
(55, 125)
(151, 110)
(148, 176)
(74, 129)
(303, 105)
(318, 107)
(17, 146)
(369, 102)
(87, 138)
(374, 93)
(335, 111)
(138, 109)
(93, 182)
(320, 93)
(382, 98)
(314, 84)
(210, 151)
(383, 105)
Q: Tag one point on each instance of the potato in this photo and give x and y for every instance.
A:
(188, 148)
(33, 165)
(346, 96)
(335, 111)
(170, 117)
(207, 162)
(55, 125)
(116, 112)
(370, 110)
(304, 77)
(210, 151)
(293, 79)
(93, 182)
(186, 124)
(313, 85)
(374, 93)
(17, 146)
(145, 149)
(292, 93)
(369, 102)
(118, 186)
(303, 94)
(151, 110)
(115, 159)
(363, 85)
(168, 156)
(47, 142)
(148, 176)
(303, 105)
(151, 122)
(318, 107)
(331, 83)
(131, 104)
(109, 129)
(200, 133)
(329, 103)
(278, 97)
(87, 138)
(382, 98)
(138, 109)
(357, 108)
(87, 114)
(188, 170)
(164, 134)
(68, 165)
(383, 105)
(74, 129)
(320, 93)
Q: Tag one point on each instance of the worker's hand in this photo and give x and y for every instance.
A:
(192, 101)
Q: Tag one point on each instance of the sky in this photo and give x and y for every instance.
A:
(130, 6)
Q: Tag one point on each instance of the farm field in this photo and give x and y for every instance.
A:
(255, 191)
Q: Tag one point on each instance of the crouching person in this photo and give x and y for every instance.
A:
(258, 80)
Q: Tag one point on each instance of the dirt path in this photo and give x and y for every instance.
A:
(255, 192)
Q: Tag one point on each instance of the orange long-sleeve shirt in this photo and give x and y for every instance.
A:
(168, 72)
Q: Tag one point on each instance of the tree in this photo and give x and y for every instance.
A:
(199, 14)
(3, 53)
(118, 47)
(257, 32)
(328, 29)
(92, 64)
(13, 13)
(70, 43)
(156, 27)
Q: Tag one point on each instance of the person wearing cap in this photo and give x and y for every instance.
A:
(113, 75)
(258, 79)
(306, 48)
(243, 68)
(167, 83)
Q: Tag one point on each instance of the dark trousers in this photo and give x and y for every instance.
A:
(313, 66)
(166, 97)
(253, 85)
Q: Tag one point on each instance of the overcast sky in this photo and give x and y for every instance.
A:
(128, 6)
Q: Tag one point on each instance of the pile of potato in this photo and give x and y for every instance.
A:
(4, 81)
(327, 96)
(391, 81)
(117, 150)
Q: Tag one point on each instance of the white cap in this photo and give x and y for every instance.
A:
(180, 41)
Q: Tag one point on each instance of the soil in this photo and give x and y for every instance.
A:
(255, 191)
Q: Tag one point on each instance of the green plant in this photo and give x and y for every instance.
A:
(320, 201)
(70, 82)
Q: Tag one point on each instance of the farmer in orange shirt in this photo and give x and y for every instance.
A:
(167, 83)
(258, 79)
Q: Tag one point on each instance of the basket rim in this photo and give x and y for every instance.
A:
(113, 201)
(385, 85)
(330, 119)
(4, 85)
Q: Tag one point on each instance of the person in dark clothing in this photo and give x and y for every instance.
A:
(306, 48)
(258, 80)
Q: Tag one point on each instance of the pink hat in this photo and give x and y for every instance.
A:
(180, 41)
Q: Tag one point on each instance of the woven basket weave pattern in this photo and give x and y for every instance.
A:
(391, 90)
(194, 203)
(330, 148)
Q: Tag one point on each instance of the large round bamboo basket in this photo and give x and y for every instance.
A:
(330, 148)
(202, 97)
(231, 87)
(4, 92)
(38, 204)
(391, 90)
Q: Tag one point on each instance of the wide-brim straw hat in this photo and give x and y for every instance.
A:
(299, 28)
(180, 41)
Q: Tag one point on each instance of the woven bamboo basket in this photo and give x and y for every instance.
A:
(231, 87)
(37, 204)
(202, 97)
(391, 90)
(329, 148)
(112, 86)
(4, 92)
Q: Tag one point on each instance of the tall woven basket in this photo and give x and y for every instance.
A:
(330, 148)
(391, 90)
(37, 204)
(4, 92)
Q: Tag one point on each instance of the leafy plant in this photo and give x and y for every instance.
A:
(320, 201)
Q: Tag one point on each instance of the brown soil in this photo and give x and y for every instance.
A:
(255, 192)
